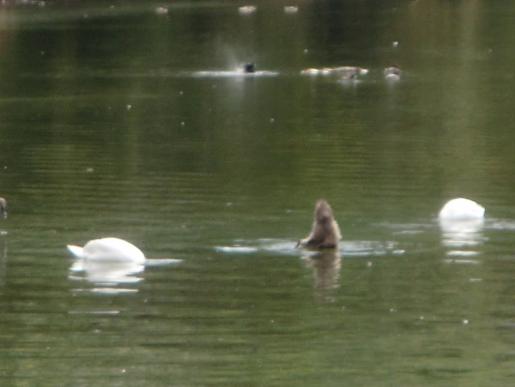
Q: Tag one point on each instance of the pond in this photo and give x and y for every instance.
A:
(135, 120)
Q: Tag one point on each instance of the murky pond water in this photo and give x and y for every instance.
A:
(126, 120)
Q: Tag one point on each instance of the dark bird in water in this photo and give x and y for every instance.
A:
(3, 208)
(325, 233)
(249, 68)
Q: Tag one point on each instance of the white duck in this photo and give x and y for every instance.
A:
(108, 250)
(461, 209)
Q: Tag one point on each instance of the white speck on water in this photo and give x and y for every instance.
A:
(393, 310)
(183, 123)
(272, 120)
(129, 107)
(395, 44)
(161, 10)
(247, 9)
(369, 264)
(291, 9)
(421, 318)
(306, 51)
(181, 92)
(465, 322)
(90, 170)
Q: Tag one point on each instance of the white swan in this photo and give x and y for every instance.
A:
(461, 209)
(108, 250)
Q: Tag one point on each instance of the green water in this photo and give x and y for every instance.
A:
(117, 121)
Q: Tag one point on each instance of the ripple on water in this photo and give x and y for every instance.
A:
(288, 247)
(231, 74)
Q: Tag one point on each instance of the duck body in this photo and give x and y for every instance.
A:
(108, 250)
(461, 209)
(325, 233)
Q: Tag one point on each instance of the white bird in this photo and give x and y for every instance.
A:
(247, 9)
(461, 209)
(108, 250)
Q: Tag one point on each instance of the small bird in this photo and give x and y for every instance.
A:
(325, 233)
(249, 68)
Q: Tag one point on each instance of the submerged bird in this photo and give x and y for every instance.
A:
(461, 209)
(325, 232)
(392, 73)
(108, 250)
(3, 208)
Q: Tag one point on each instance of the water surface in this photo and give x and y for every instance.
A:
(119, 121)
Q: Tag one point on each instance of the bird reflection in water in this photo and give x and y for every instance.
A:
(3, 260)
(326, 267)
(462, 237)
(107, 276)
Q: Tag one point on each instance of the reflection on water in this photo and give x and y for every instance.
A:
(3, 259)
(285, 247)
(462, 237)
(237, 73)
(326, 267)
(106, 274)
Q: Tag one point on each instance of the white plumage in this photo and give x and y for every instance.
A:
(108, 250)
(461, 209)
